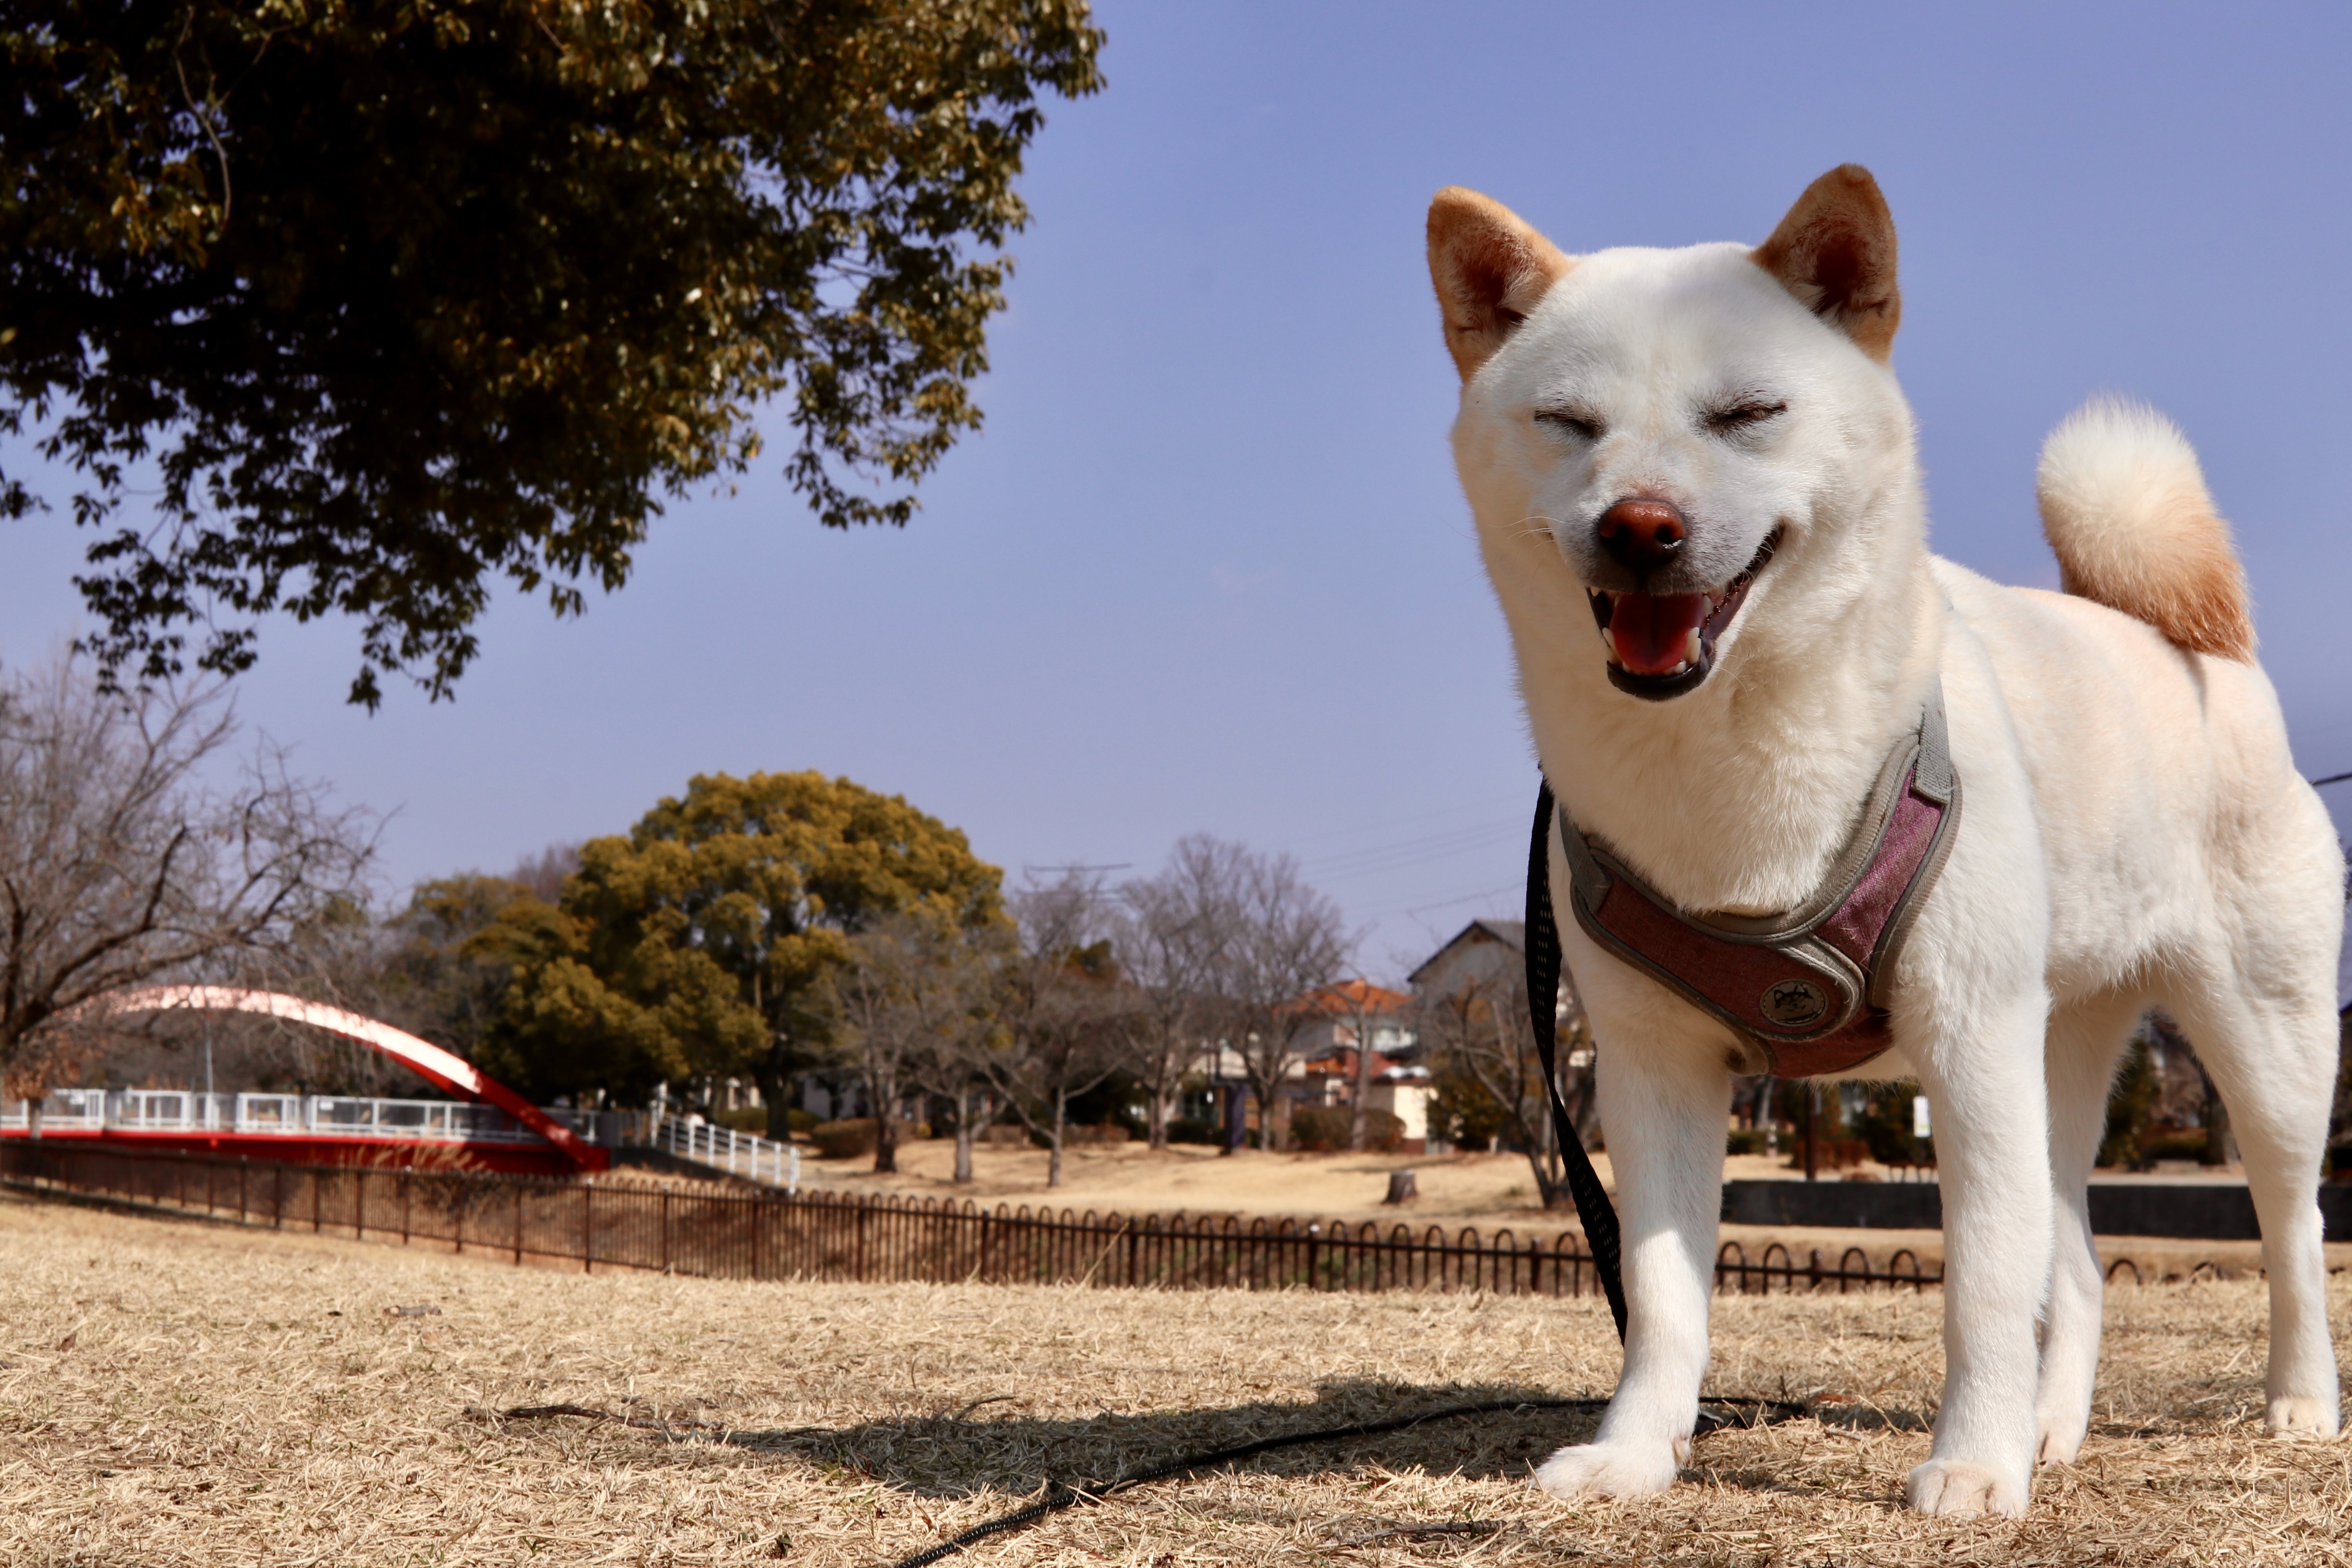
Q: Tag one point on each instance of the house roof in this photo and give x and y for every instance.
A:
(1352, 997)
(1512, 934)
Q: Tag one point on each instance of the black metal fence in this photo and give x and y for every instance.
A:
(1853, 1270)
(822, 1235)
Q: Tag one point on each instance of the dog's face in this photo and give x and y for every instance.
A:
(1683, 425)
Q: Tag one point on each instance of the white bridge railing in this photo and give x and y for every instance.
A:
(289, 1115)
(745, 1155)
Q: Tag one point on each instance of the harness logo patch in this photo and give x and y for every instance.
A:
(1795, 1004)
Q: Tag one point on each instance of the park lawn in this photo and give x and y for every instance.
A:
(180, 1392)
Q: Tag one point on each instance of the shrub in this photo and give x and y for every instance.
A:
(1463, 1113)
(1195, 1130)
(844, 1139)
(754, 1119)
(1746, 1141)
(1324, 1128)
(1885, 1127)
(2175, 1144)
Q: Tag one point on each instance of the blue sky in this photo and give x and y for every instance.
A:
(1207, 567)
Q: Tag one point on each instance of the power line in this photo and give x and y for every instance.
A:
(1379, 858)
(1484, 804)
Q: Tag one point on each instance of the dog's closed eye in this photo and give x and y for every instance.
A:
(1574, 421)
(1746, 414)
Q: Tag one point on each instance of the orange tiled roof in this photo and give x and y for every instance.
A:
(1352, 997)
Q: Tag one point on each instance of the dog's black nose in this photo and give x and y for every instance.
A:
(1642, 535)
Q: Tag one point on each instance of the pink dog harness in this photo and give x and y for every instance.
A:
(1809, 988)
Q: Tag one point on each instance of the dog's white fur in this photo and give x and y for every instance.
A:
(2134, 833)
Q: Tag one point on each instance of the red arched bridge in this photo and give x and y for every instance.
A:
(490, 1126)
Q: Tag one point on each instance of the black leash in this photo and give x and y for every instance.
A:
(1064, 1494)
(1594, 1209)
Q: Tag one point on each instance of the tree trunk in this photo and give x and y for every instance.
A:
(2221, 1146)
(1160, 1096)
(1550, 1191)
(963, 1135)
(775, 1098)
(886, 1124)
(1054, 1162)
(1363, 1083)
(1812, 1130)
(1269, 1137)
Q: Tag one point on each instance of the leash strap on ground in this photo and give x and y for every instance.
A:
(1060, 1495)
(1592, 1205)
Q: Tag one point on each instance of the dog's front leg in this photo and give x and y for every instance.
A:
(1982, 1065)
(1662, 1108)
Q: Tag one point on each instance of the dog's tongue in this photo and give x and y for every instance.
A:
(1652, 631)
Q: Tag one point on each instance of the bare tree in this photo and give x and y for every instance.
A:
(126, 858)
(1173, 934)
(907, 997)
(543, 875)
(1478, 1034)
(1288, 940)
(1356, 1000)
(953, 1063)
(1065, 1010)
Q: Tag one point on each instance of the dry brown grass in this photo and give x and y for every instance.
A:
(176, 1393)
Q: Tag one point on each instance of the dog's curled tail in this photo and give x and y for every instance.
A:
(2126, 507)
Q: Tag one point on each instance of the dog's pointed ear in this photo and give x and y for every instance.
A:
(1835, 252)
(1490, 269)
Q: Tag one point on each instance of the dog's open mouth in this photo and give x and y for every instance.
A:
(1663, 645)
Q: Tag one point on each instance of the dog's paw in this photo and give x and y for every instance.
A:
(1956, 1487)
(2059, 1440)
(2296, 1417)
(1612, 1469)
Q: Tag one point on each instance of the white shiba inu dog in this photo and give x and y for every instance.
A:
(1704, 452)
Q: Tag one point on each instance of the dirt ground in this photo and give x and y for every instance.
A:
(181, 1394)
(1489, 1191)
(1195, 1179)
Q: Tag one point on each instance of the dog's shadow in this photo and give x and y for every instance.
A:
(958, 1452)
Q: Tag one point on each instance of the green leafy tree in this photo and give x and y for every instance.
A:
(705, 942)
(433, 979)
(397, 300)
(561, 1029)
